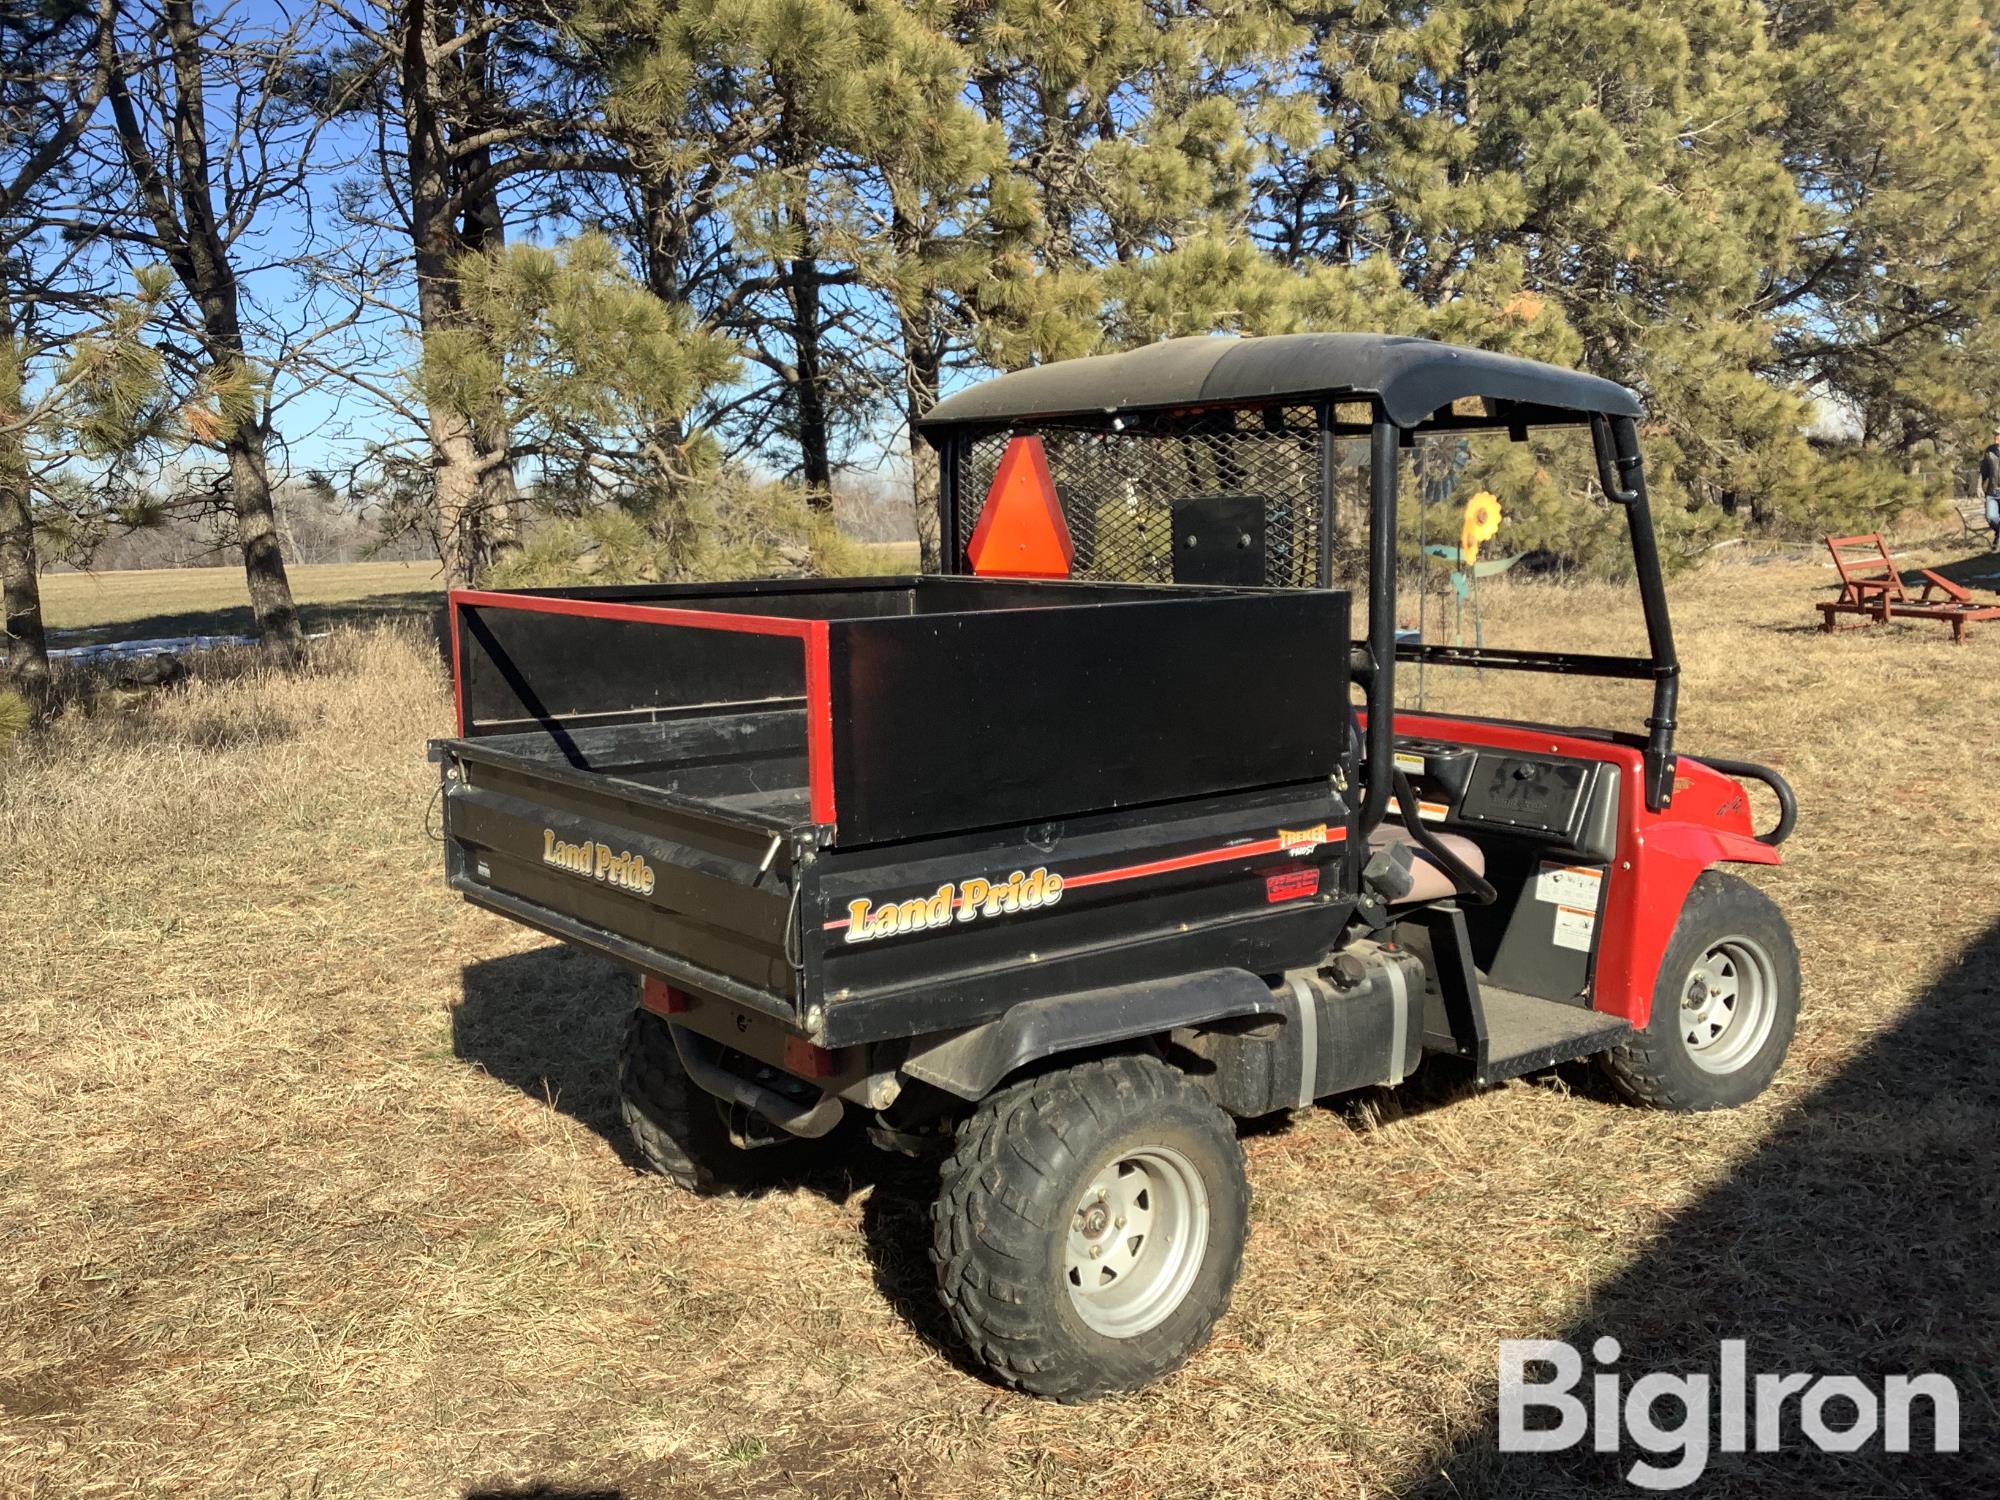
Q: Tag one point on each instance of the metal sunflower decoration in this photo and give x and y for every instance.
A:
(1481, 524)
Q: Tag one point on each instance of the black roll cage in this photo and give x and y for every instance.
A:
(1620, 473)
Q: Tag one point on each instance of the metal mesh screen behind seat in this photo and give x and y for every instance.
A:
(1117, 488)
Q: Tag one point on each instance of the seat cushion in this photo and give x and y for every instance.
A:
(1428, 880)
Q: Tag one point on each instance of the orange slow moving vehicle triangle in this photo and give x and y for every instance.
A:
(1021, 532)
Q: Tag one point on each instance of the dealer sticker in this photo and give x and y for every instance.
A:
(1289, 885)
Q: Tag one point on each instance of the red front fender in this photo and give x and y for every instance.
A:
(1664, 854)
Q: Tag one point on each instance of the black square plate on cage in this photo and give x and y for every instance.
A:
(1219, 540)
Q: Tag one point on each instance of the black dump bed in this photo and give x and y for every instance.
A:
(717, 784)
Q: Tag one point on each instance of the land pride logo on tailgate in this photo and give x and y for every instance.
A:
(623, 869)
(963, 901)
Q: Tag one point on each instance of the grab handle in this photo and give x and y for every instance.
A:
(1788, 807)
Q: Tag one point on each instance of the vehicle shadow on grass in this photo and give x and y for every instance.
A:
(1862, 1238)
(551, 1021)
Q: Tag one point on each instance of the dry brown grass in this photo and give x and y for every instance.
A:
(311, 1189)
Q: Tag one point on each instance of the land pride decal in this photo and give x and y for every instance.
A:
(961, 901)
(974, 900)
(620, 868)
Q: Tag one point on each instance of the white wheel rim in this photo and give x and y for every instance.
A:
(1728, 1004)
(1135, 1241)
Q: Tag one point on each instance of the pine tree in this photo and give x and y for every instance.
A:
(76, 410)
(581, 368)
(477, 99)
(934, 205)
(1893, 273)
(724, 112)
(1130, 126)
(1745, 211)
(573, 365)
(1577, 180)
(59, 59)
(198, 191)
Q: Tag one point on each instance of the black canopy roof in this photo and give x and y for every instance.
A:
(1412, 377)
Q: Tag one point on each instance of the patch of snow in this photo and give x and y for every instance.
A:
(166, 645)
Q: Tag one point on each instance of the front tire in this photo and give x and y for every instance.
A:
(1725, 1005)
(1090, 1226)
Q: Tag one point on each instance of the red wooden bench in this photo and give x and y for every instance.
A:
(1871, 586)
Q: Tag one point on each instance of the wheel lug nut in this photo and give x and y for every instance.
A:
(1095, 1251)
(1119, 1222)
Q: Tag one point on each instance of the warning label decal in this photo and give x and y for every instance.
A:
(1569, 885)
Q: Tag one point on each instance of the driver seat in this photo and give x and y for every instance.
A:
(1429, 881)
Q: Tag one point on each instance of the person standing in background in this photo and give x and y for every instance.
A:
(1989, 486)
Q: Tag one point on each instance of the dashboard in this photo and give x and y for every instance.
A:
(1550, 799)
(1547, 825)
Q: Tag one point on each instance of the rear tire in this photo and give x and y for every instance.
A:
(1724, 1007)
(678, 1127)
(1090, 1226)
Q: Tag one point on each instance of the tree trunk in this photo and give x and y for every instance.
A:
(807, 375)
(434, 240)
(24, 647)
(924, 478)
(499, 496)
(484, 230)
(210, 279)
(461, 540)
(808, 390)
(176, 190)
(917, 319)
(472, 478)
(257, 533)
(666, 239)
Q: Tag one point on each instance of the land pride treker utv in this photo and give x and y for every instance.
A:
(1058, 877)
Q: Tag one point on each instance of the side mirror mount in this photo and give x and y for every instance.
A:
(1616, 472)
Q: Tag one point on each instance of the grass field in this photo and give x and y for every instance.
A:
(313, 1186)
(89, 607)
(214, 601)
